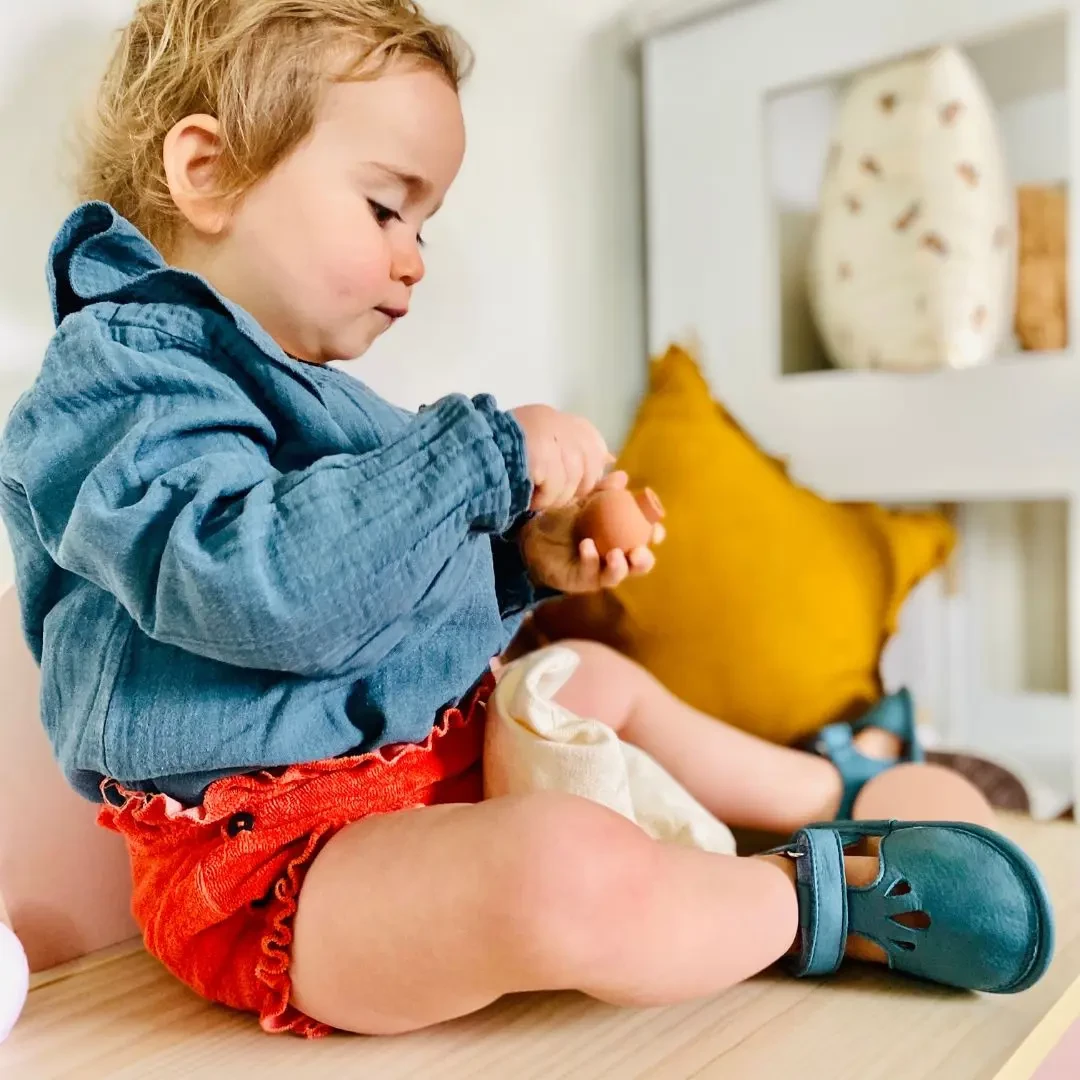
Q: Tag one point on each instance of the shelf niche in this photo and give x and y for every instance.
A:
(1024, 71)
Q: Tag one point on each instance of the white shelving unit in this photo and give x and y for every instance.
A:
(717, 76)
(948, 436)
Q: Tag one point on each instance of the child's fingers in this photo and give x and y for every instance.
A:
(598, 447)
(616, 479)
(591, 475)
(590, 557)
(642, 560)
(544, 498)
(591, 566)
(596, 455)
(615, 570)
(568, 471)
(550, 482)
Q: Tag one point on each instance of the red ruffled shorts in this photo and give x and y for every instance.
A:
(216, 885)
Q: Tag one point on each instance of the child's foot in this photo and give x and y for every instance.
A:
(950, 902)
(859, 870)
(878, 743)
(867, 747)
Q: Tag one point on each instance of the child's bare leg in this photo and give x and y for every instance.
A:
(414, 918)
(746, 781)
(418, 917)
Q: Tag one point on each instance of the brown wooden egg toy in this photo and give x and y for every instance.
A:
(619, 520)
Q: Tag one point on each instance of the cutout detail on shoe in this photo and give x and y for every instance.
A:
(901, 888)
(907, 946)
(913, 920)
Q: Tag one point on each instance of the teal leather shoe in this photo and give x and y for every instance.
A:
(895, 714)
(988, 920)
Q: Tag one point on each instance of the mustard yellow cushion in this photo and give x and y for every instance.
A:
(769, 606)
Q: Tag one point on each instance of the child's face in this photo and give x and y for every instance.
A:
(326, 250)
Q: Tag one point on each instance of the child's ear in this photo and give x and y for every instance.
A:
(191, 153)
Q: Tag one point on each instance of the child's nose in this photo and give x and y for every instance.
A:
(408, 264)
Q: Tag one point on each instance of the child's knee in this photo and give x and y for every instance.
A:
(606, 685)
(574, 866)
(594, 655)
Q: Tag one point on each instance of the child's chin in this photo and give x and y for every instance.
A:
(359, 343)
(344, 351)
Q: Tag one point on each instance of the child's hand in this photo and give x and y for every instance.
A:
(555, 559)
(567, 455)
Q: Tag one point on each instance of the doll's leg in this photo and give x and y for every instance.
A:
(923, 793)
(746, 781)
(414, 918)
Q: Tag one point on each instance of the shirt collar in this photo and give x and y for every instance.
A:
(98, 255)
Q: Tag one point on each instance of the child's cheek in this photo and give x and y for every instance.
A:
(360, 274)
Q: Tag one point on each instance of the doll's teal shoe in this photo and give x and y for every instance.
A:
(985, 921)
(895, 714)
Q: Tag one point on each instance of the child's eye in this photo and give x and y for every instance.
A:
(383, 214)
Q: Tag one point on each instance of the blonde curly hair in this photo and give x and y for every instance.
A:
(258, 67)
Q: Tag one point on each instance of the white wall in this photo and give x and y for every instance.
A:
(535, 265)
(49, 57)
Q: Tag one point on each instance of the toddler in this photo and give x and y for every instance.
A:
(266, 603)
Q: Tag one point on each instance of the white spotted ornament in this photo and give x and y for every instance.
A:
(912, 265)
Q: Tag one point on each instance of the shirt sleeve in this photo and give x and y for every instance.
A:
(164, 495)
(514, 585)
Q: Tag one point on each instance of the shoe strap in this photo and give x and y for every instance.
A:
(823, 901)
(835, 743)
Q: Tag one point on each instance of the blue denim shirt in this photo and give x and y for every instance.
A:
(228, 560)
